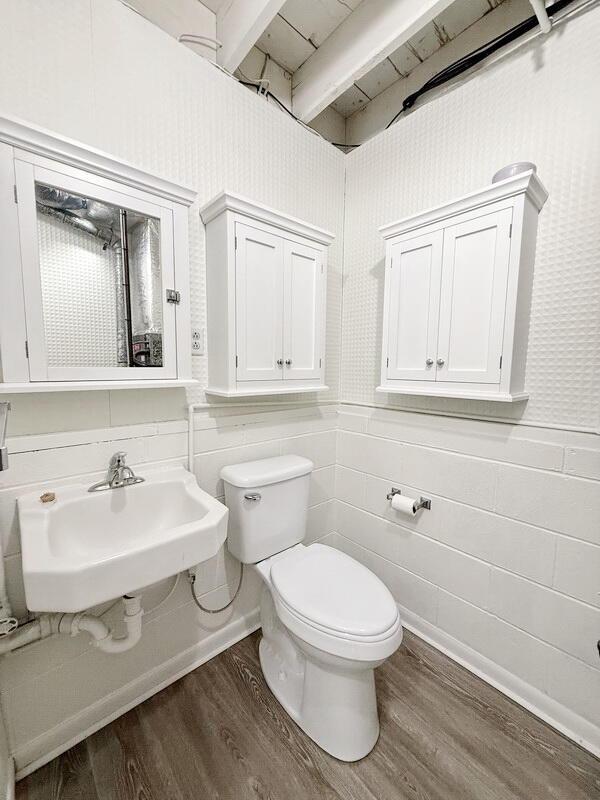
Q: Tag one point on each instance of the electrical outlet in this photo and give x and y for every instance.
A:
(198, 341)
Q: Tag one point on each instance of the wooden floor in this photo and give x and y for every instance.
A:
(218, 733)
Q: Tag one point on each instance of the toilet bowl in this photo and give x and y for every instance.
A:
(327, 620)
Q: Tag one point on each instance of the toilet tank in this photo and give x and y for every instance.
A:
(268, 504)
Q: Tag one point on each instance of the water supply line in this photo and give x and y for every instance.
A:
(73, 624)
(192, 580)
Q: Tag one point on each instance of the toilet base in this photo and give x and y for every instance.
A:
(332, 699)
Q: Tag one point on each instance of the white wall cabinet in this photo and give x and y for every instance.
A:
(457, 294)
(266, 289)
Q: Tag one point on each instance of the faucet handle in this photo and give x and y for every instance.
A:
(118, 459)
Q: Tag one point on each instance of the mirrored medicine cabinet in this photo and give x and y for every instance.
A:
(94, 269)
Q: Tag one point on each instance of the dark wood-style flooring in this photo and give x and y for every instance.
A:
(219, 733)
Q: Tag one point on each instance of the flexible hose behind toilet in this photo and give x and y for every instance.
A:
(192, 580)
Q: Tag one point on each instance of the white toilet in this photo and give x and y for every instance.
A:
(327, 620)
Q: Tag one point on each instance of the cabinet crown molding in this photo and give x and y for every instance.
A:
(526, 183)
(229, 201)
(34, 139)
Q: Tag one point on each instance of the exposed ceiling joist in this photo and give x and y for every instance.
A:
(365, 37)
(239, 25)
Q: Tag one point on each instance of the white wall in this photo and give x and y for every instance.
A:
(98, 72)
(534, 105)
(507, 560)
(504, 570)
(511, 543)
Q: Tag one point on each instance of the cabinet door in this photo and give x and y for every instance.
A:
(303, 311)
(414, 296)
(473, 299)
(259, 304)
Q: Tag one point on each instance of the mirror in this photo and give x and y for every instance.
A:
(101, 285)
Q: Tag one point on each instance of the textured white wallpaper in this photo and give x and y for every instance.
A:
(175, 115)
(536, 105)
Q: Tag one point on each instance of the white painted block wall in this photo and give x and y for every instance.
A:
(506, 562)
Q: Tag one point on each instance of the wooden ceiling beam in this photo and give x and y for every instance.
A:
(239, 24)
(371, 33)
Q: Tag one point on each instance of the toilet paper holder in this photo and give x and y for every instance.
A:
(421, 502)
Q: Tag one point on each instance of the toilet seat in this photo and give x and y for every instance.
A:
(334, 603)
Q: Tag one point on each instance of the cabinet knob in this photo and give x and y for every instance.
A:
(429, 362)
(440, 362)
(280, 362)
(288, 362)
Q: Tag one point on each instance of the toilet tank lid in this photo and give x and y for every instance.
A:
(266, 471)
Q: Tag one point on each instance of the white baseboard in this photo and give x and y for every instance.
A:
(574, 727)
(78, 727)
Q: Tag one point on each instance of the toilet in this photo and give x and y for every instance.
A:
(327, 620)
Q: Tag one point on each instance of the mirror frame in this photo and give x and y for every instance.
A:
(23, 150)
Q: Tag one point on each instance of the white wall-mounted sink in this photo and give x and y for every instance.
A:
(82, 549)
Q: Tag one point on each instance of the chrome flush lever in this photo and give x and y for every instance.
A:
(254, 496)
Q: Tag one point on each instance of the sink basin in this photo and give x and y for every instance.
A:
(82, 549)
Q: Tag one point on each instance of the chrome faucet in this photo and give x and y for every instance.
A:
(118, 475)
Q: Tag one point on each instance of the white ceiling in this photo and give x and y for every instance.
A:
(302, 26)
(214, 5)
(316, 19)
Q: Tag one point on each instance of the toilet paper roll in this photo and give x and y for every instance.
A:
(404, 504)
